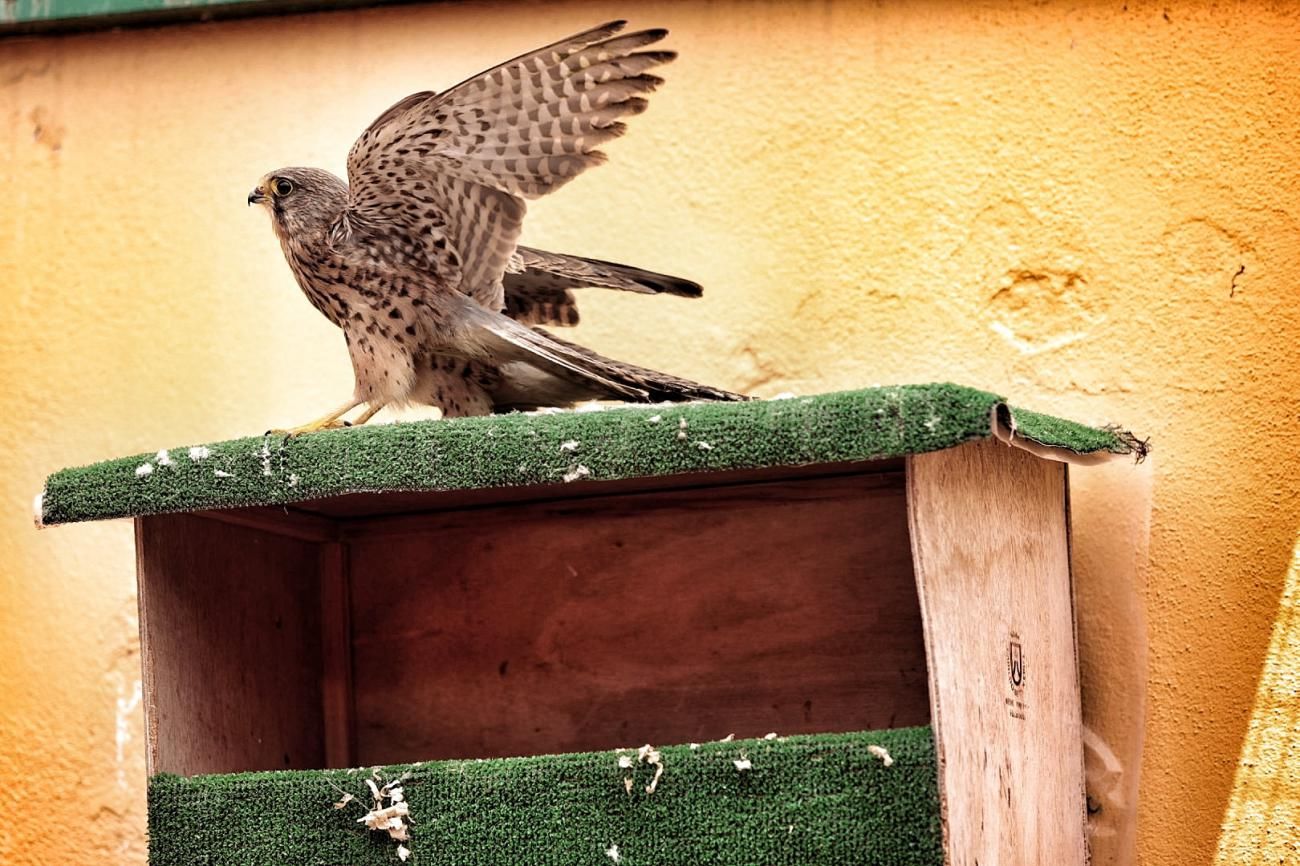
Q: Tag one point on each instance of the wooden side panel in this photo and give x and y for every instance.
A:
(231, 641)
(659, 617)
(991, 544)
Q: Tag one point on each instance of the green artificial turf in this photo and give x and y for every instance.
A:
(820, 800)
(539, 449)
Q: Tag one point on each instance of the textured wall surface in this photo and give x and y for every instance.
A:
(1093, 209)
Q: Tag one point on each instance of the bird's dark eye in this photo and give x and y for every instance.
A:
(282, 187)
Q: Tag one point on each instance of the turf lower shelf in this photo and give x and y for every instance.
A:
(824, 799)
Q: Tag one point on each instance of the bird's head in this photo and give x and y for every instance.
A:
(300, 199)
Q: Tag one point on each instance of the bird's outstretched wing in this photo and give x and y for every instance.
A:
(539, 285)
(452, 169)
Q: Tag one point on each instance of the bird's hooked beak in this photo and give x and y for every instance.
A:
(258, 195)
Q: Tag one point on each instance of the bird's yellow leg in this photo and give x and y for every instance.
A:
(371, 411)
(326, 422)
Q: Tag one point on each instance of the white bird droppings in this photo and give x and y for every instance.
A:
(164, 459)
(651, 756)
(883, 754)
(199, 452)
(612, 853)
(143, 469)
(703, 446)
(220, 474)
(576, 472)
(648, 755)
(743, 764)
(571, 445)
(655, 419)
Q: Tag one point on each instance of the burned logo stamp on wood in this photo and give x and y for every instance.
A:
(1015, 703)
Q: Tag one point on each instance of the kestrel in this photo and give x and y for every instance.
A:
(415, 257)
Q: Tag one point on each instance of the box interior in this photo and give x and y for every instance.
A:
(387, 628)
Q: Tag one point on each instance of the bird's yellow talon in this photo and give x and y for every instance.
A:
(313, 427)
(332, 421)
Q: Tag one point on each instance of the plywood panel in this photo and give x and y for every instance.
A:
(336, 655)
(230, 636)
(990, 535)
(658, 617)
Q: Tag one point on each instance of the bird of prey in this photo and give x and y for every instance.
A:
(416, 258)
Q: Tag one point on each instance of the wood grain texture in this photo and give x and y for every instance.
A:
(336, 655)
(231, 645)
(660, 617)
(991, 545)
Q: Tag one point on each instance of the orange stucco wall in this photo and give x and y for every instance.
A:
(1091, 208)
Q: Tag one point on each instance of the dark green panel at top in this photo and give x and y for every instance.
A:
(19, 17)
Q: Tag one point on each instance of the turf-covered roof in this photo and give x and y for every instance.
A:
(520, 450)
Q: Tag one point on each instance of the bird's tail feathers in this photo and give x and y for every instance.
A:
(658, 387)
(630, 278)
(578, 272)
(510, 341)
(660, 284)
(583, 374)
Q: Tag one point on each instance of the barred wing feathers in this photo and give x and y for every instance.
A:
(516, 131)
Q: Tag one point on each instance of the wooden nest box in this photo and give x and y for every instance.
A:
(879, 578)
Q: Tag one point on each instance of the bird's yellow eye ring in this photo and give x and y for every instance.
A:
(281, 187)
